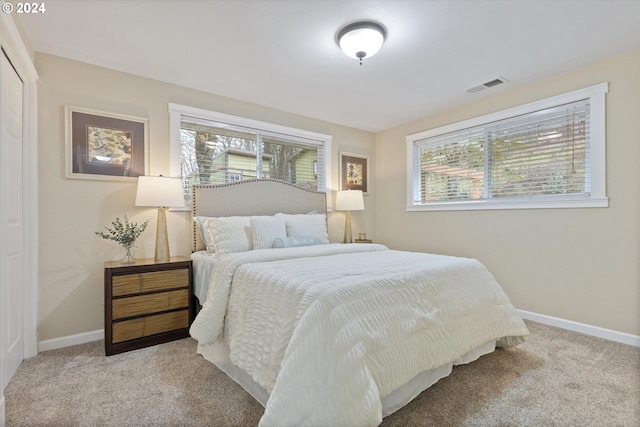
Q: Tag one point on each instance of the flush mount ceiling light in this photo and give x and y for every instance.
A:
(361, 39)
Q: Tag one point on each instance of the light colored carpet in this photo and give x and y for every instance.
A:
(557, 378)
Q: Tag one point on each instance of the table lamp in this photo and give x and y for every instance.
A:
(161, 192)
(349, 200)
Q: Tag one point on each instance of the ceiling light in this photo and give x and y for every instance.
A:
(361, 39)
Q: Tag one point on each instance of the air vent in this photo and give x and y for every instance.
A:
(491, 83)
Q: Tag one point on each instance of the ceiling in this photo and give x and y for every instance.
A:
(283, 54)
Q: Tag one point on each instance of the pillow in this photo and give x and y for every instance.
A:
(307, 225)
(266, 229)
(201, 223)
(224, 235)
(289, 242)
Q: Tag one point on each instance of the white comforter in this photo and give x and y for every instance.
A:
(329, 330)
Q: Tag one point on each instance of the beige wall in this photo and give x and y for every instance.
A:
(71, 256)
(577, 264)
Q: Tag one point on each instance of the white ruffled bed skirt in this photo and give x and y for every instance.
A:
(218, 354)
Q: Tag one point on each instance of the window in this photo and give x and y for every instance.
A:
(215, 148)
(546, 154)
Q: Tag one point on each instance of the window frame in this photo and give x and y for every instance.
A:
(177, 111)
(597, 165)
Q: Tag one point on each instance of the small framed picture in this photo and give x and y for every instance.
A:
(354, 172)
(105, 146)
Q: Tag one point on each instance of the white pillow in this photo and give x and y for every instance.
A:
(266, 229)
(228, 234)
(201, 223)
(290, 242)
(307, 225)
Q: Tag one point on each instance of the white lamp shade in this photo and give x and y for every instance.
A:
(349, 200)
(159, 191)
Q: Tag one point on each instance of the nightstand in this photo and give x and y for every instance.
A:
(146, 303)
(363, 241)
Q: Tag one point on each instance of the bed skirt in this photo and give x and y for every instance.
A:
(218, 354)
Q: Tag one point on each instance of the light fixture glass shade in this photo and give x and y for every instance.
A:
(361, 39)
(159, 191)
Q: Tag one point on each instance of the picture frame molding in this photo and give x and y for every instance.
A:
(365, 160)
(69, 143)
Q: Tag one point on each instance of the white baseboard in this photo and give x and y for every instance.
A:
(583, 328)
(71, 340)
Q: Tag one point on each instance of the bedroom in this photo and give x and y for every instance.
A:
(578, 265)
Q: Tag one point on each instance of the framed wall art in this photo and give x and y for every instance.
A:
(354, 172)
(105, 146)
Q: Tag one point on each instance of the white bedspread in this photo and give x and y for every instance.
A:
(329, 330)
(203, 263)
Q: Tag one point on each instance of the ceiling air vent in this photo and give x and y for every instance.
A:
(491, 83)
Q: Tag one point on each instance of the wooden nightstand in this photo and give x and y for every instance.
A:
(146, 303)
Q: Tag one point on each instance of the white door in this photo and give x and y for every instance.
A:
(11, 226)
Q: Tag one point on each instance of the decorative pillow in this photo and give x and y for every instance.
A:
(228, 234)
(289, 242)
(307, 225)
(266, 229)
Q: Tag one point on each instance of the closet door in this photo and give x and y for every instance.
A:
(12, 280)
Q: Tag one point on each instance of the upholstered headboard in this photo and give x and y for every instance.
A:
(251, 198)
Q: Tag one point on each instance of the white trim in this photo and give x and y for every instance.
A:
(551, 203)
(582, 328)
(16, 51)
(30, 179)
(570, 325)
(598, 142)
(70, 340)
(175, 117)
(597, 197)
(2, 417)
(241, 121)
(11, 42)
(588, 92)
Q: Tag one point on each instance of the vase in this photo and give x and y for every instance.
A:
(128, 255)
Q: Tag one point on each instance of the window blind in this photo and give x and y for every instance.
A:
(545, 153)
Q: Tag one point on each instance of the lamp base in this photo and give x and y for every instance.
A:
(162, 238)
(348, 238)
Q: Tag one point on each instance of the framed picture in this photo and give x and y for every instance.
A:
(354, 172)
(105, 146)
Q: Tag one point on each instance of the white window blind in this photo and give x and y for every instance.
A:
(542, 155)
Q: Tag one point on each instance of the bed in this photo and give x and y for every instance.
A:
(331, 334)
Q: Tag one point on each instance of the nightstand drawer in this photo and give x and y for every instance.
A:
(128, 284)
(150, 303)
(151, 325)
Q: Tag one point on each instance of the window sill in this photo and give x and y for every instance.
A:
(565, 203)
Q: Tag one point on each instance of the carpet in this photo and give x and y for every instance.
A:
(557, 378)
